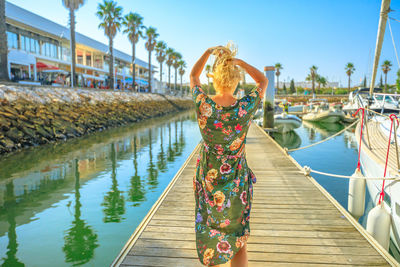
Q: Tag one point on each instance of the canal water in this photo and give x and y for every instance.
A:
(78, 202)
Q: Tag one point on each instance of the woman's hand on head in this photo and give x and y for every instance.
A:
(221, 49)
(236, 61)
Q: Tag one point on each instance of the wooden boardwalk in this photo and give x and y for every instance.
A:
(294, 221)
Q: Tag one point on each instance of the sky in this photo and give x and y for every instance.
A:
(297, 34)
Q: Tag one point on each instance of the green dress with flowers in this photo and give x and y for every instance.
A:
(223, 183)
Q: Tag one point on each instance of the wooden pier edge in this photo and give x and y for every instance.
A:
(383, 252)
(132, 239)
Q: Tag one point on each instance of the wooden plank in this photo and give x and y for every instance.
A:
(344, 259)
(292, 222)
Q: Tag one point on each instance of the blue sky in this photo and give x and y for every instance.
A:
(295, 33)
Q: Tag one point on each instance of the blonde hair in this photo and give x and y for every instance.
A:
(225, 75)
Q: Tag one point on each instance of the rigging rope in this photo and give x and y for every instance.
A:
(382, 194)
(307, 170)
(394, 45)
(394, 19)
(326, 139)
(361, 130)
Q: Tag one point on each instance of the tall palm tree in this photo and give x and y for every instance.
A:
(208, 70)
(151, 35)
(161, 55)
(133, 23)
(72, 5)
(182, 66)
(386, 68)
(169, 52)
(175, 63)
(312, 76)
(3, 43)
(278, 67)
(111, 16)
(349, 70)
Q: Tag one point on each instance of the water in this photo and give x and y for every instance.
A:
(338, 155)
(78, 202)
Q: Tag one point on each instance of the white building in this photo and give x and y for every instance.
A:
(38, 45)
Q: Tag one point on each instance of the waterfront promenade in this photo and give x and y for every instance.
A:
(294, 221)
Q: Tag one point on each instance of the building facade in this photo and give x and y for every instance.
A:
(39, 50)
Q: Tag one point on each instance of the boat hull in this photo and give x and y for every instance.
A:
(326, 116)
(371, 166)
(286, 124)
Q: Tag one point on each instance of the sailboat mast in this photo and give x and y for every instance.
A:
(385, 8)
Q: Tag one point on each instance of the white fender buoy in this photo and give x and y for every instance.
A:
(378, 225)
(356, 200)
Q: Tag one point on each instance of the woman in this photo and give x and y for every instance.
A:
(223, 182)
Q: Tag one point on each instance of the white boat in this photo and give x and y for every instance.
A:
(286, 123)
(378, 153)
(296, 109)
(372, 159)
(318, 110)
(382, 103)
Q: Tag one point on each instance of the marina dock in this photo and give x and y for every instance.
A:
(294, 221)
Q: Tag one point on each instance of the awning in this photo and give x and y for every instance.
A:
(44, 66)
(21, 58)
(99, 78)
(138, 81)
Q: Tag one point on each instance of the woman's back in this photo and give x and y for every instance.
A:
(223, 182)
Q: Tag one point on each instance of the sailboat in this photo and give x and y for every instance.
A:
(374, 148)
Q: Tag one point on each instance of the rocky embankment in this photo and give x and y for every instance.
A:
(39, 115)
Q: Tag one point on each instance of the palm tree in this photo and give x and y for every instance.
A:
(175, 63)
(278, 67)
(110, 15)
(161, 55)
(133, 23)
(169, 52)
(321, 80)
(386, 68)
(312, 76)
(182, 66)
(151, 35)
(72, 5)
(349, 70)
(208, 70)
(3, 43)
(318, 81)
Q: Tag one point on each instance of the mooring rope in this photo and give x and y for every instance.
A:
(324, 140)
(307, 170)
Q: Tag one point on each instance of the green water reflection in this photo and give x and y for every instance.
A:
(76, 203)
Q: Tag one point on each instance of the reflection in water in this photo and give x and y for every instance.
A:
(80, 240)
(161, 156)
(290, 140)
(152, 168)
(38, 187)
(9, 204)
(114, 202)
(136, 191)
(324, 129)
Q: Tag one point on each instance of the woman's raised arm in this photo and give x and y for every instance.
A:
(199, 65)
(257, 75)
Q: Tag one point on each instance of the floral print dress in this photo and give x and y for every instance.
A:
(223, 183)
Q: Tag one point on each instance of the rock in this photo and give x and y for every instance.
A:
(14, 134)
(7, 143)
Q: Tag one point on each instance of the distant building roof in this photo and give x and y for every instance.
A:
(26, 17)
